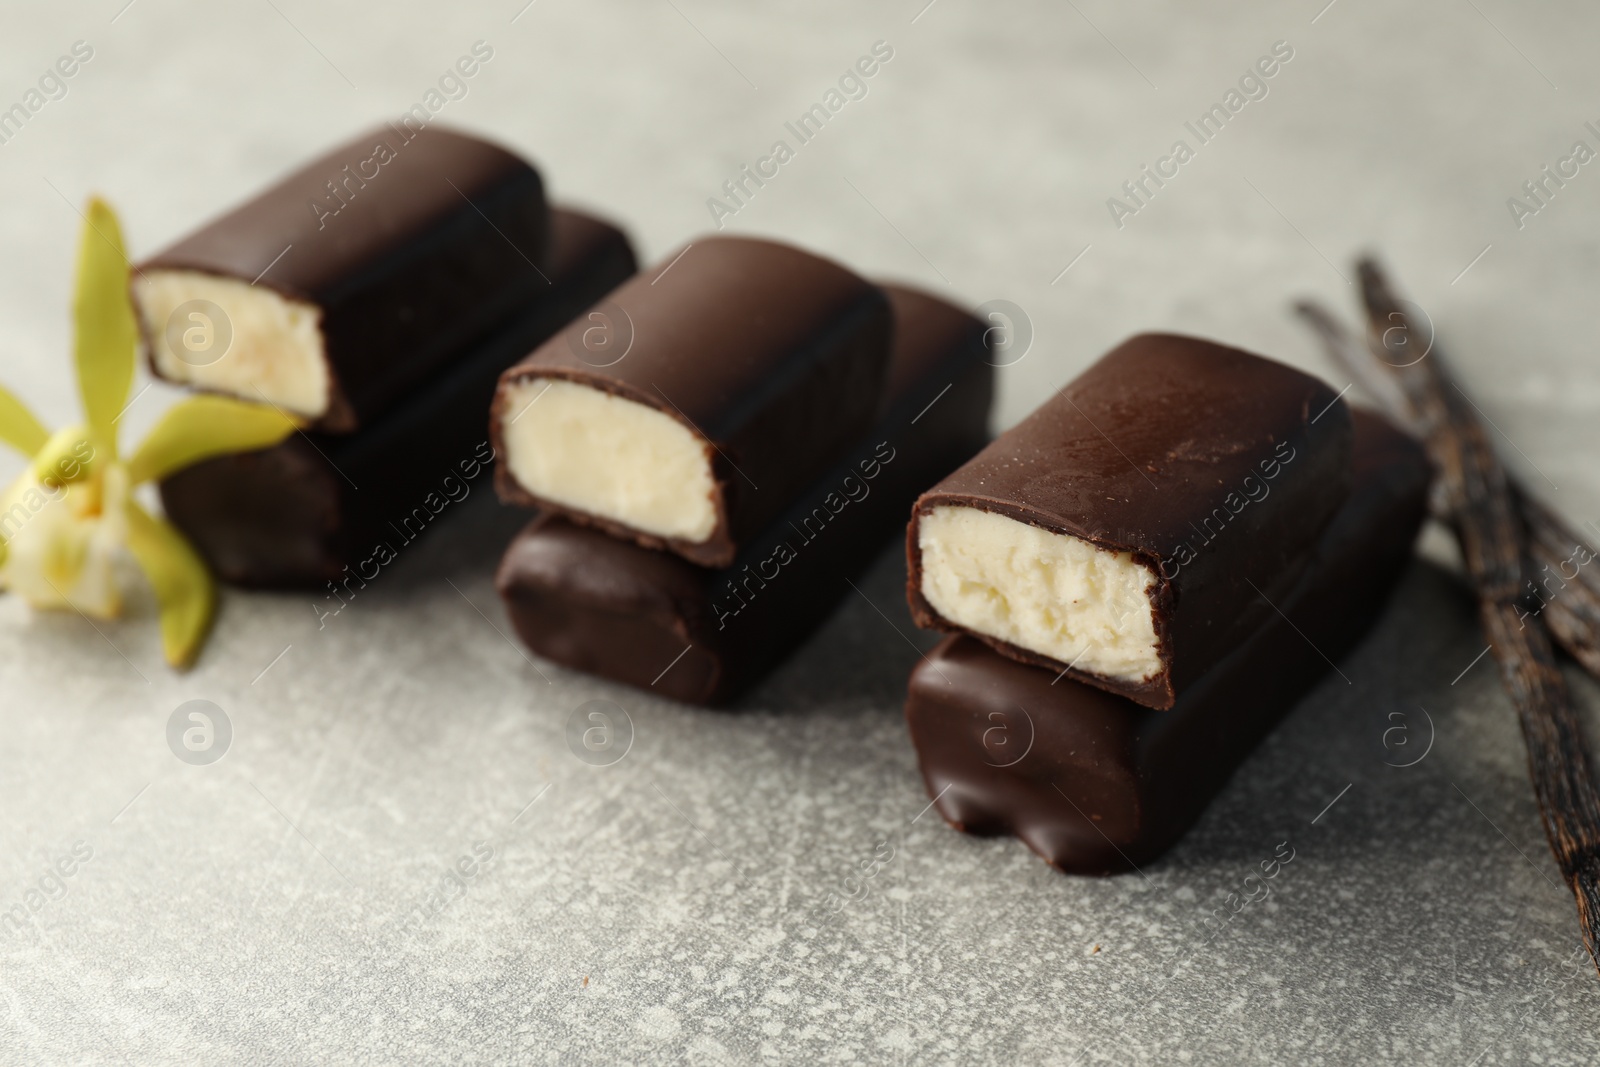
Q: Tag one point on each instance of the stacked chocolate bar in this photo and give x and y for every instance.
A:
(718, 453)
(1142, 577)
(375, 293)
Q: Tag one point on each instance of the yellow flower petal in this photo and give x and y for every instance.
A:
(65, 457)
(106, 337)
(18, 427)
(200, 427)
(183, 586)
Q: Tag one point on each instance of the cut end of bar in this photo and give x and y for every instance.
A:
(602, 454)
(1053, 594)
(228, 336)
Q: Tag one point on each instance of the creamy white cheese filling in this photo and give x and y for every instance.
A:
(615, 458)
(226, 335)
(1050, 593)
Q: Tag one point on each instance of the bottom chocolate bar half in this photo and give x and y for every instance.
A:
(653, 620)
(328, 508)
(1095, 783)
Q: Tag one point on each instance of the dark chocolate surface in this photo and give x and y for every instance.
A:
(773, 355)
(1216, 468)
(300, 513)
(411, 242)
(1096, 783)
(651, 619)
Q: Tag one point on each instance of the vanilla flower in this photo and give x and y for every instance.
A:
(68, 519)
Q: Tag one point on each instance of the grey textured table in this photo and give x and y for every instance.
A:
(665, 908)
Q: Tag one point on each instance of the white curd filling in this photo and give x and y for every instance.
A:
(1049, 593)
(608, 456)
(231, 337)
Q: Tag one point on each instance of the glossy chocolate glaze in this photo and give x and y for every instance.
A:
(1096, 783)
(285, 517)
(427, 252)
(1159, 443)
(774, 356)
(627, 612)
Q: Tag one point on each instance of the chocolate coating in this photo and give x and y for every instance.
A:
(773, 356)
(627, 612)
(285, 517)
(426, 251)
(1159, 449)
(1095, 783)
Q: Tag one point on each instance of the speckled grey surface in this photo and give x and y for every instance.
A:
(673, 907)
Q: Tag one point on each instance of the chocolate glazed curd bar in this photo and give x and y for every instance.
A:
(352, 280)
(1095, 783)
(743, 369)
(651, 619)
(318, 507)
(1126, 531)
